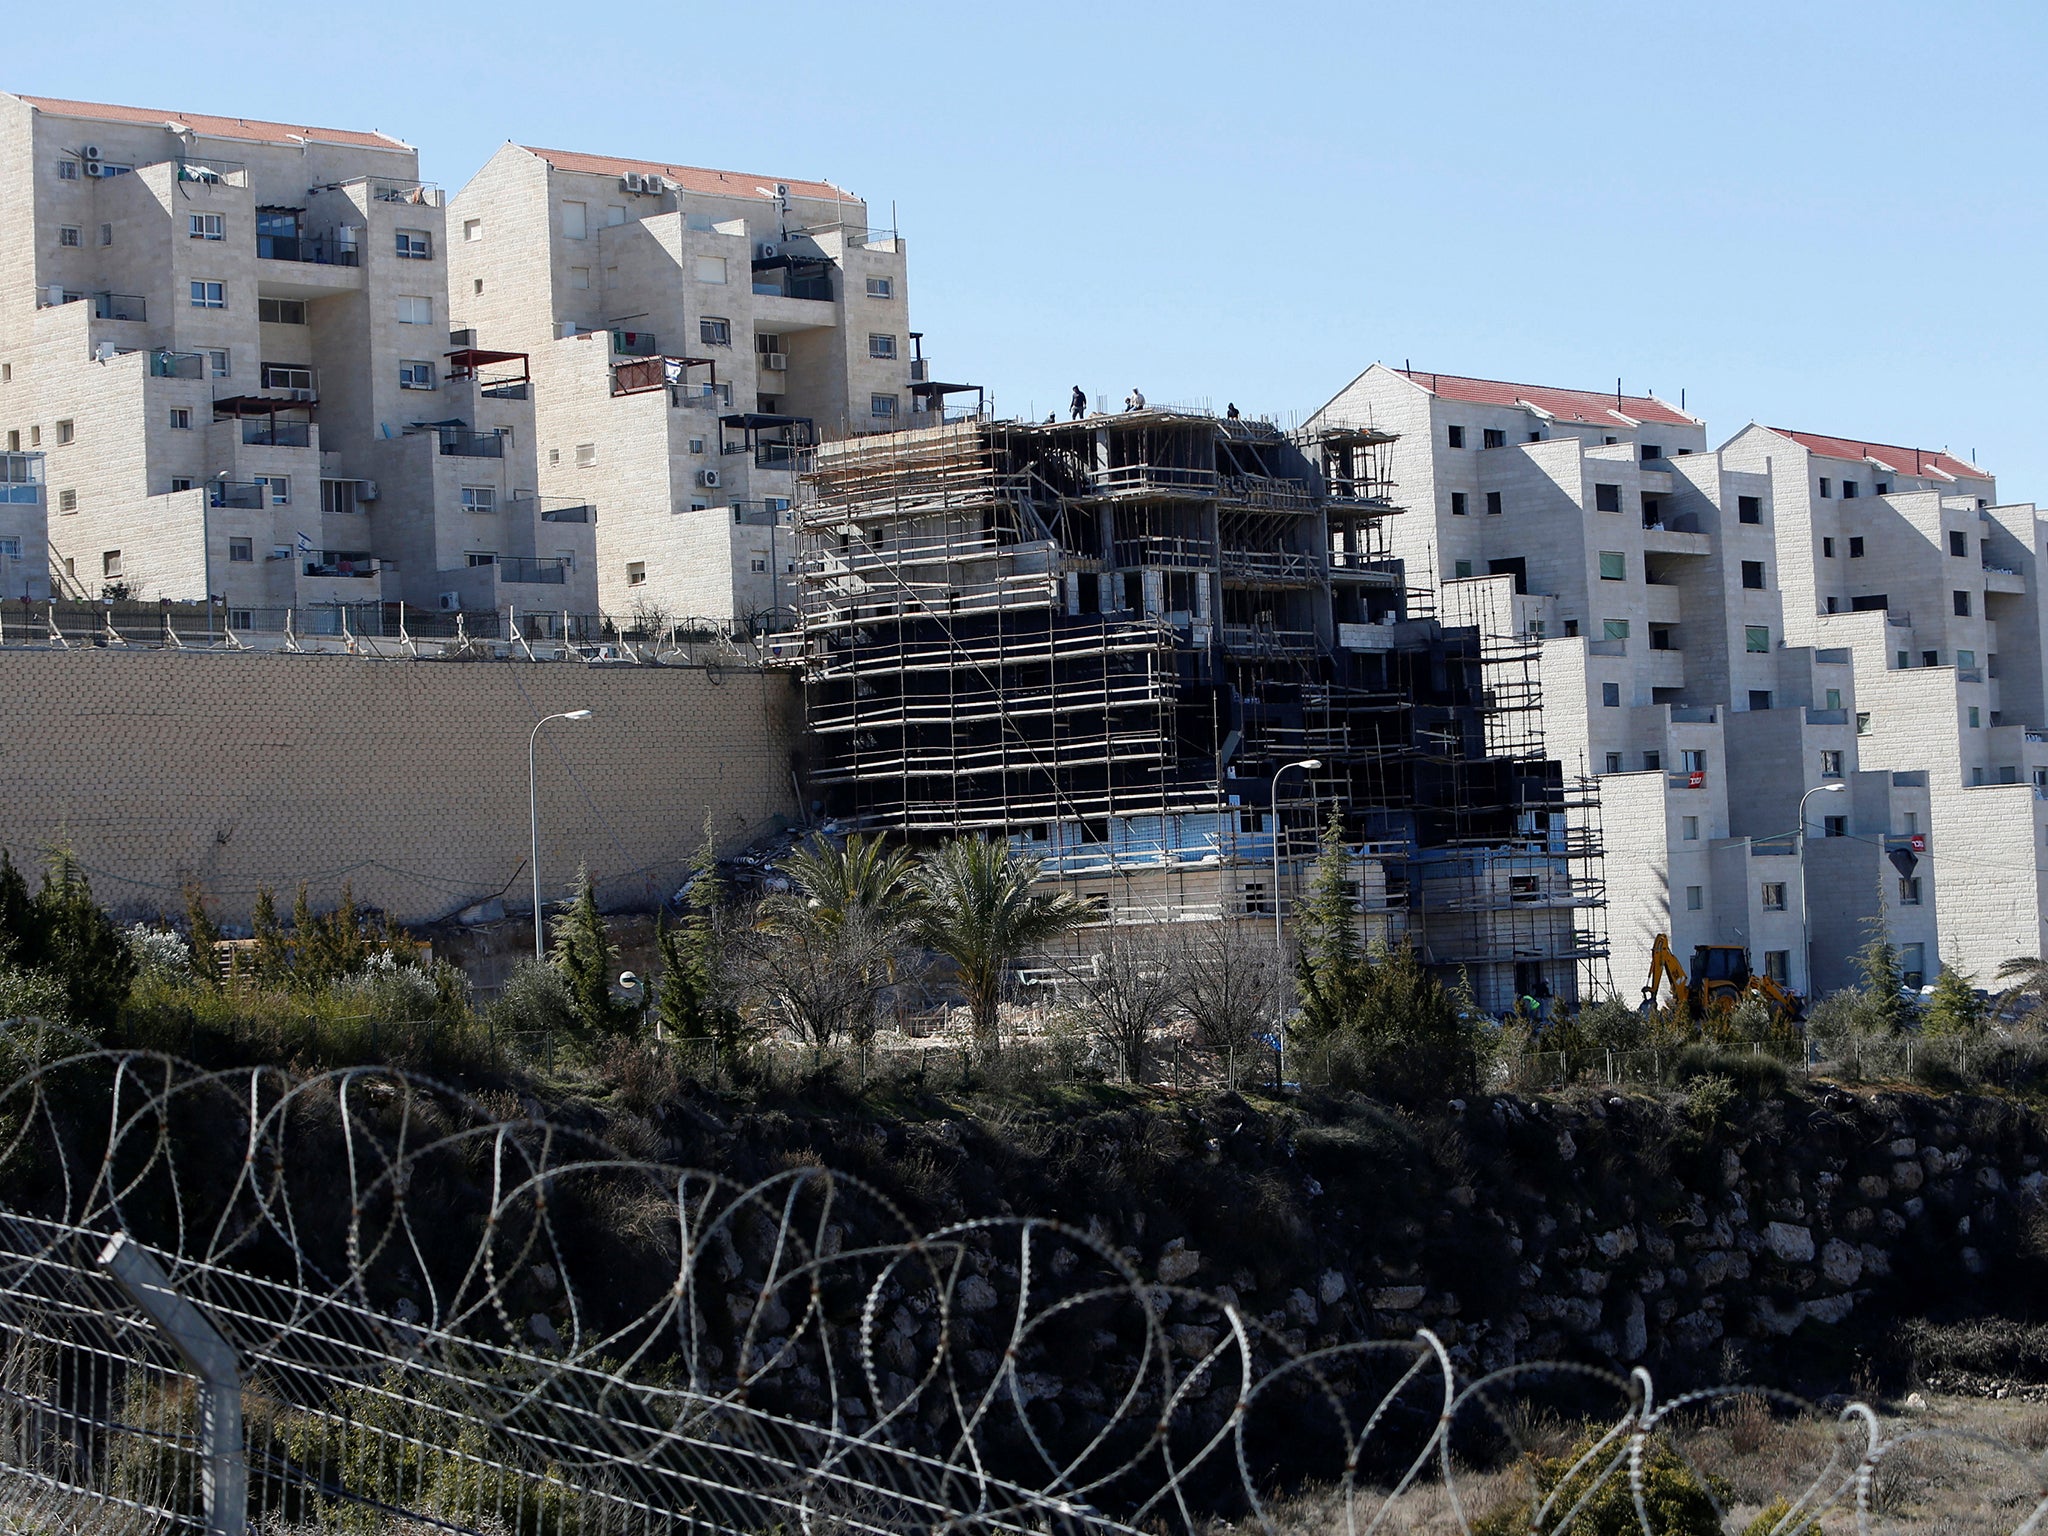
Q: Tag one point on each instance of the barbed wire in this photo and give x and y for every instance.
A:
(465, 1314)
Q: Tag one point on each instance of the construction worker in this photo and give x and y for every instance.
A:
(1231, 414)
(1135, 400)
(1079, 404)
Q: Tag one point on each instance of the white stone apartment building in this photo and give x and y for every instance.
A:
(24, 530)
(230, 340)
(1683, 665)
(691, 331)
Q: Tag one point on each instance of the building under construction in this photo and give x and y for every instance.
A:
(1118, 641)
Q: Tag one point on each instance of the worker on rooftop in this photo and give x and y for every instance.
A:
(1135, 400)
(1079, 404)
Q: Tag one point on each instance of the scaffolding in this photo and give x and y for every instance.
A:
(1111, 639)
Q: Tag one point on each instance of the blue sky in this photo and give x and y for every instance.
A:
(1816, 215)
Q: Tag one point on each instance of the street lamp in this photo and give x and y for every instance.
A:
(533, 817)
(1806, 943)
(1279, 943)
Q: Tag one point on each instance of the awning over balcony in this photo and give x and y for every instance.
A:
(232, 407)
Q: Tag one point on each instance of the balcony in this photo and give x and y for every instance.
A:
(246, 494)
(344, 564)
(1826, 716)
(550, 509)
(465, 443)
(1268, 493)
(313, 250)
(259, 432)
(119, 306)
(778, 455)
(1269, 567)
(1998, 579)
(384, 189)
(177, 365)
(213, 173)
(1137, 480)
(527, 570)
(21, 479)
(635, 344)
(1258, 637)
(1670, 538)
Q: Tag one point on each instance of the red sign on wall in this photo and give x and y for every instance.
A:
(1696, 779)
(1918, 841)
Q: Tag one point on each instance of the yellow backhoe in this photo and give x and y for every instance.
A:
(1720, 980)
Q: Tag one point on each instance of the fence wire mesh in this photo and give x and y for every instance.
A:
(459, 1314)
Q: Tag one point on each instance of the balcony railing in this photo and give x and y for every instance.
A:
(119, 306)
(21, 479)
(264, 432)
(213, 173)
(529, 569)
(384, 189)
(550, 509)
(247, 494)
(462, 443)
(635, 343)
(319, 250)
(177, 365)
(583, 513)
(344, 565)
(777, 455)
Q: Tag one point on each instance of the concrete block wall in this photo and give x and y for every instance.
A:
(407, 778)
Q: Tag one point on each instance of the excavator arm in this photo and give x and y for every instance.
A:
(1664, 969)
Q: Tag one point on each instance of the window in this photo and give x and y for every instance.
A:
(241, 618)
(1834, 698)
(696, 445)
(1462, 569)
(1613, 565)
(67, 234)
(66, 432)
(35, 437)
(1663, 638)
(284, 311)
(1778, 965)
(1610, 695)
(1909, 891)
(206, 295)
(1863, 722)
(1693, 760)
(636, 573)
(1606, 498)
(1833, 604)
(1689, 828)
(1756, 638)
(280, 488)
(415, 374)
(1962, 604)
(67, 170)
(1614, 629)
(881, 287)
(1454, 436)
(415, 311)
(67, 501)
(476, 286)
(181, 418)
(1958, 543)
(206, 226)
(1774, 895)
(110, 563)
(579, 277)
(1827, 549)
(1826, 488)
(1651, 451)
(1457, 503)
(1571, 628)
(181, 483)
(241, 551)
(1494, 437)
(1614, 762)
(881, 346)
(575, 221)
(1930, 658)
(1966, 659)
(479, 498)
(217, 363)
(710, 269)
(1834, 826)
(1749, 509)
(586, 455)
(478, 558)
(759, 564)
(1884, 487)
(1753, 575)
(882, 405)
(472, 229)
(1973, 718)
(1856, 548)
(1850, 490)
(414, 245)
(714, 331)
(1830, 765)
(1760, 698)
(1493, 503)
(292, 376)
(614, 213)
(1695, 898)
(1652, 761)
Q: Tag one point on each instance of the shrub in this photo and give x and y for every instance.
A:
(535, 1000)
(1675, 1500)
(158, 952)
(29, 995)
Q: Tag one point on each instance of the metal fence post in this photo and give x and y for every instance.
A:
(225, 1476)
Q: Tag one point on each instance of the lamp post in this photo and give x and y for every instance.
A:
(1280, 943)
(1806, 943)
(533, 819)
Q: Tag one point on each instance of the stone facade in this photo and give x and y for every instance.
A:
(405, 778)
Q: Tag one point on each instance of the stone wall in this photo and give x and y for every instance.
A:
(405, 778)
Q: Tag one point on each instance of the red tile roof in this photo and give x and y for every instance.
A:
(249, 129)
(1903, 461)
(1587, 405)
(693, 178)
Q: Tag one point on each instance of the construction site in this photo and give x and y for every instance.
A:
(1159, 650)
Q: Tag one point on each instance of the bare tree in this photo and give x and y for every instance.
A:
(1124, 990)
(822, 978)
(1231, 988)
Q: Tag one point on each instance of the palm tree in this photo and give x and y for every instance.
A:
(824, 950)
(832, 881)
(979, 910)
(2024, 996)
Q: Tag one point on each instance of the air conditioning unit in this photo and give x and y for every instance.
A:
(366, 490)
(708, 478)
(633, 181)
(775, 362)
(654, 184)
(463, 338)
(765, 251)
(91, 151)
(93, 168)
(104, 350)
(569, 328)
(451, 601)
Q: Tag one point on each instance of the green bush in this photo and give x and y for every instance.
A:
(1675, 1500)
(535, 1000)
